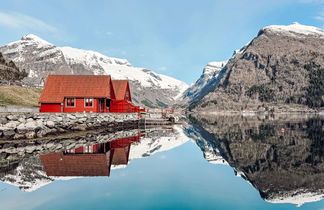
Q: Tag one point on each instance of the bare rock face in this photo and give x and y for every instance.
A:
(9, 71)
(281, 156)
(282, 67)
(206, 83)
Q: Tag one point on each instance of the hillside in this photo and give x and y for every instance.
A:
(9, 71)
(41, 58)
(16, 95)
(282, 69)
(205, 83)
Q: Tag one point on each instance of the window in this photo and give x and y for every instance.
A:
(88, 102)
(70, 102)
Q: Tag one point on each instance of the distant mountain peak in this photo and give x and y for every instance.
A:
(293, 29)
(35, 38)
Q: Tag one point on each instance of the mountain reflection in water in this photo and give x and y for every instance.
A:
(282, 157)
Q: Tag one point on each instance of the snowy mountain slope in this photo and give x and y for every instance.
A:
(204, 84)
(295, 29)
(41, 58)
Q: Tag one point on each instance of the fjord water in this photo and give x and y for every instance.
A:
(253, 162)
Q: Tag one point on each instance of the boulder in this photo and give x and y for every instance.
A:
(30, 135)
(8, 132)
(12, 124)
(21, 128)
(50, 124)
(12, 117)
(31, 125)
(22, 119)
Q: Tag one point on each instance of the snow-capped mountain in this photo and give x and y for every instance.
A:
(204, 84)
(41, 58)
(276, 69)
(294, 29)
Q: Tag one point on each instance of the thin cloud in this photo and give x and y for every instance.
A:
(320, 17)
(162, 68)
(109, 33)
(21, 21)
(311, 1)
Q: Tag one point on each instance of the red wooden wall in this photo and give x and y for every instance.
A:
(79, 106)
(50, 108)
(122, 106)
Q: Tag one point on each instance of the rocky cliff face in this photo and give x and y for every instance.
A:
(283, 67)
(281, 156)
(41, 58)
(9, 71)
(206, 83)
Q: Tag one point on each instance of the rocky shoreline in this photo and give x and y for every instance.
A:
(35, 125)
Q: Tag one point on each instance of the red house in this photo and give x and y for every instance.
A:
(93, 160)
(86, 93)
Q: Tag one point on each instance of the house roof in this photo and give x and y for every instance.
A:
(56, 164)
(59, 86)
(120, 87)
(120, 156)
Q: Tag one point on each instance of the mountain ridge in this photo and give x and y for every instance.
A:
(41, 58)
(281, 69)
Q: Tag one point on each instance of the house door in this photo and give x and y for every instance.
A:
(101, 105)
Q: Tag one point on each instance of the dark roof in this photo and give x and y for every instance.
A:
(59, 86)
(56, 164)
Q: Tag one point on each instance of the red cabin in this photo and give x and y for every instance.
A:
(92, 160)
(86, 93)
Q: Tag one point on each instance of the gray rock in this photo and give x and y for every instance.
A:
(31, 125)
(12, 124)
(30, 135)
(30, 120)
(22, 119)
(50, 124)
(9, 132)
(19, 136)
(12, 117)
(21, 128)
(3, 120)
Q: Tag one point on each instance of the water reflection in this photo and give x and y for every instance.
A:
(282, 156)
(89, 160)
(31, 165)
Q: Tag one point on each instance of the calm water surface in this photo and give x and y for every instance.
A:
(238, 162)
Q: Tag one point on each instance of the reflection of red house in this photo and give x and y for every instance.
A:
(86, 93)
(94, 160)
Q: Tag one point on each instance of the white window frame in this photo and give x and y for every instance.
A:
(85, 102)
(66, 100)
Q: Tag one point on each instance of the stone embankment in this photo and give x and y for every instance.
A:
(35, 125)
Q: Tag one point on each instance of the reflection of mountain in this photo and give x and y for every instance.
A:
(33, 165)
(282, 158)
(201, 137)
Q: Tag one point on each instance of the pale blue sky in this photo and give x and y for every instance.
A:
(173, 37)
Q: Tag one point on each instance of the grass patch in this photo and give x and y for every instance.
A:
(16, 95)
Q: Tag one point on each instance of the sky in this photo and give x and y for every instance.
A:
(173, 37)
